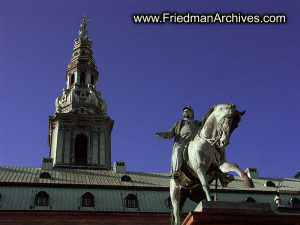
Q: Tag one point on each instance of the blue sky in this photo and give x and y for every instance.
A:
(148, 73)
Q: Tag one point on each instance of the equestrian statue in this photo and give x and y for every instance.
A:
(198, 155)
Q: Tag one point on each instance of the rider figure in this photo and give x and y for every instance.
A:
(182, 132)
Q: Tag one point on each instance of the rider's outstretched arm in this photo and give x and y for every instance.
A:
(167, 134)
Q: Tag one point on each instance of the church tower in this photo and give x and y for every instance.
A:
(79, 133)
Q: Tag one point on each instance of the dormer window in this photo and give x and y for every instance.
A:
(87, 200)
(42, 199)
(45, 175)
(131, 201)
(126, 178)
(270, 183)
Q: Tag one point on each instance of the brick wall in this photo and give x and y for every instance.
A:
(82, 218)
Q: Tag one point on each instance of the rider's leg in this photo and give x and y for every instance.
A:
(177, 160)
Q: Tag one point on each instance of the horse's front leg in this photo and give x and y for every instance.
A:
(227, 167)
(201, 172)
(175, 195)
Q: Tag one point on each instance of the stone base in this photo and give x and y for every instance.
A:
(237, 213)
(234, 207)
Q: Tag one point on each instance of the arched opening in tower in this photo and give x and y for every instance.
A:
(81, 145)
(72, 79)
(82, 78)
(92, 80)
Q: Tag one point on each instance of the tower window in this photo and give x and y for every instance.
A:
(72, 79)
(82, 78)
(92, 80)
(42, 199)
(81, 146)
(87, 200)
(131, 201)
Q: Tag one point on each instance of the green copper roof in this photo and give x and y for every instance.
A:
(93, 178)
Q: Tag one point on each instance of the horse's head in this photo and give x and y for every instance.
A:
(221, 122)
(229, 118)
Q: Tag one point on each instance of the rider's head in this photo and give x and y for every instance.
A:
(188, 112)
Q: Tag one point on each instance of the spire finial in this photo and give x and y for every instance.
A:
(83, 33)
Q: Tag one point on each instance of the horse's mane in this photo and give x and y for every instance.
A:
(206, 117)
(235, 122)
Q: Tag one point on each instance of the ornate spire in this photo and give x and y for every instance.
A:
(82, 76)
(83, 33)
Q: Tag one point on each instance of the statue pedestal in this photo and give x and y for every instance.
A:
(234, 207)
(246, 213)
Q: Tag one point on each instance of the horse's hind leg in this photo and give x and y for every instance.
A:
(175, 198)
(201, 172)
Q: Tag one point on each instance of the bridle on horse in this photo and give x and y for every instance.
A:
(219, 131)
